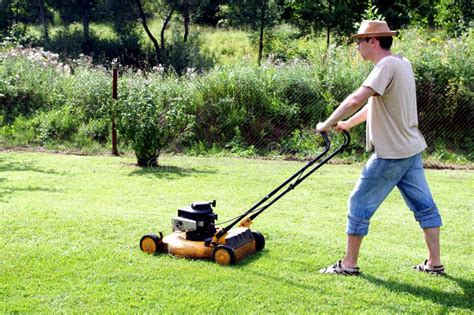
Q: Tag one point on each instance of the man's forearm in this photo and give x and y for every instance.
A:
(350, 105)
(359, 118)
(347, 108)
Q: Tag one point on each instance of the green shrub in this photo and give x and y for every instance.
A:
(97, 130)
(445, 92)
(451, 18)
(90, 92)
(27, 81)
(67, 42)
(151, 115)
(20, 133)
(57, 125)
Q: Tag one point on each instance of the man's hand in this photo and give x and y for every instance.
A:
(322, 126)
(343, 125)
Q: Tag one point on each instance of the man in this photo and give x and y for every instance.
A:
(392, 132)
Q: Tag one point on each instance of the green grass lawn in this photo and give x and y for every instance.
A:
(70, 227)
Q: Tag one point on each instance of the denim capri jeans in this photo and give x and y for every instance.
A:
(377, 180)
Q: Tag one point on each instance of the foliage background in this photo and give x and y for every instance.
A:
(188, 87)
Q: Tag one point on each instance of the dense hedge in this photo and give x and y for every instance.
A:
(241, 106)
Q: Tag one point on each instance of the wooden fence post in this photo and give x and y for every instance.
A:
(114, 97)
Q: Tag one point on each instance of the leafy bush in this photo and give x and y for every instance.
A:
(152, 115)
(57, 125)
(20, 133)
(302, 142)
(97, 130)
(67, 41)
(451, 17)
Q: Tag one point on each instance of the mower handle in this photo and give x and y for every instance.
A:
(300, 178)
(347, 139)
(325, 137)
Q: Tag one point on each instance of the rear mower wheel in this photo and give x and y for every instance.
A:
(223, 255)
(150, 243)
(259, 240)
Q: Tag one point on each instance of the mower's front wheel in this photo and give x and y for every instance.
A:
(150, 243)
(223, 255)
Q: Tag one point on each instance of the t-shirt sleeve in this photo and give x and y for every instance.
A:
(379, 78)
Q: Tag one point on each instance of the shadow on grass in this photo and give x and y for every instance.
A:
(24, 166)
(248, 260)
(166, 171)
(447, 299)
(4, 191)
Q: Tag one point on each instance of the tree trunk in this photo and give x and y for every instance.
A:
(187, 19)
(165, 25)
(147, 161)
(262, 28)
(43, 20)
(86, 17)
(148, 32)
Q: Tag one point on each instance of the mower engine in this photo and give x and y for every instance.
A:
(195, 236)
(197, 220)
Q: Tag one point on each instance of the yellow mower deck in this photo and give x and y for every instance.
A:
(237, 244)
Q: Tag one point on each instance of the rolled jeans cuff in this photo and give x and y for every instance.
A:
(428, 218)
(357, 226)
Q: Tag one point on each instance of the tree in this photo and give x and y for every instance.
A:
(331, 16)
(182, 52)
(453, 15)
(15, 15)
(168, 8)
(259, 15)
(207, 12)
(78, 11)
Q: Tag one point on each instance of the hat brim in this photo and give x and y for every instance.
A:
(383, 34)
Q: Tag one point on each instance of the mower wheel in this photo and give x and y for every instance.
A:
(259, 240)
(150, 243)
(223, 255)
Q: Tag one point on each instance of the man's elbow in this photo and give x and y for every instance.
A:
(355, 102)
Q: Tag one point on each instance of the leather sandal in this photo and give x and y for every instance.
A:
(338, 269)
(434, 270)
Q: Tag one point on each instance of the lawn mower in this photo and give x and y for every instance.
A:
(194, 229)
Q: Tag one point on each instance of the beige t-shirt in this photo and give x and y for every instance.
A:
(392, 118)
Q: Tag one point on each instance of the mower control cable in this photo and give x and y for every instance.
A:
(299, 175)
(302, 178)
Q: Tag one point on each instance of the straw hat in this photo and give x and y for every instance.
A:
(373, 28)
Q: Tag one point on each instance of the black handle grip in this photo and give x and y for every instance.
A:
(325, 137)
(347, 138)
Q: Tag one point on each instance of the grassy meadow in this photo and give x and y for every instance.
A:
(70, 227)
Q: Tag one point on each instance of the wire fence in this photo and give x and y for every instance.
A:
(445, 115)
(249, 111)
